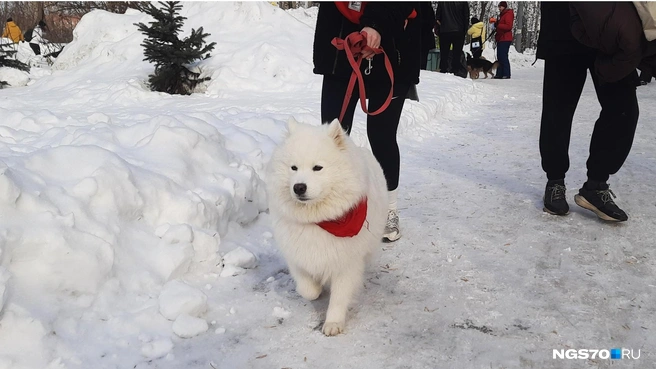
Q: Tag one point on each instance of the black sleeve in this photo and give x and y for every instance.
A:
(438, 13)
(466, 15)
(427, 14)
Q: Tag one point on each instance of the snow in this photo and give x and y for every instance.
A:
(157, 349)
(14, 77)
(178, 298)
(130, 219)
(240, 257)
(527, 59)
(187, 326)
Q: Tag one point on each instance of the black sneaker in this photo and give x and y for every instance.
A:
(596, 196)
(554, 198)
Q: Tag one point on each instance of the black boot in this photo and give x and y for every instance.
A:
(596, 196)
(554, 198)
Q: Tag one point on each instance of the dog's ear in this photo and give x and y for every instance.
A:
(337, 133)
(292, 125)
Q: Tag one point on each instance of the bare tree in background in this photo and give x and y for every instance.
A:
(519, 24)
(484, 5)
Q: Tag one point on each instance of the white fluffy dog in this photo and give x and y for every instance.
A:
(328, 203)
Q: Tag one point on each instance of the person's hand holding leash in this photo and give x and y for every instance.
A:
(373, 41)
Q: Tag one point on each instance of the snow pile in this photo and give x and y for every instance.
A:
(184, 305)
(109, 191)
(306, 15)
(106, 215)
(517, 60)
(440, 95)
(237, 261)
(178, 298)
(16, 77)
(105, 40)
(250, 54)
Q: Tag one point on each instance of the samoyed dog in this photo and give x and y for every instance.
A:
(328, 204)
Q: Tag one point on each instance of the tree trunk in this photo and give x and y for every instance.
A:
(483, 9)
(519, 45)
(41, 15)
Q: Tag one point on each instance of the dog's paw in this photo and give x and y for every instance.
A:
(333, 328)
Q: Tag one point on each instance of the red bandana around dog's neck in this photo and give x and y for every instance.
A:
(349, 224)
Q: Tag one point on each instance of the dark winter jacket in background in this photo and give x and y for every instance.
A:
(504, 26)
(615, 30)
(556, 37)
(453, 16)
(403, 46)
(427, 24)
(612, 31)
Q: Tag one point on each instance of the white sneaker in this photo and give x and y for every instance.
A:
(392, 231)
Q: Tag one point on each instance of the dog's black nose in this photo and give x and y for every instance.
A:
(300, 188)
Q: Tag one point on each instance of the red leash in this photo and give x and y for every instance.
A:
(354, 44)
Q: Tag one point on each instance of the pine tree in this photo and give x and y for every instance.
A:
(171, 55)
(7, 53)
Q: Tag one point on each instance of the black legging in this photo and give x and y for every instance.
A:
(381, 128)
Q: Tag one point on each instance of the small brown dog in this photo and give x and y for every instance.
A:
(476, 66)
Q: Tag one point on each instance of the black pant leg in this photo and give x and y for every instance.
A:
(333, 92)
(646, 74)
(381, 132)
(424, 59)
(445, 51)
(614, 131)
(456, 56)
(564, 78)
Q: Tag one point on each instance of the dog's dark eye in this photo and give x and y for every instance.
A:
(294, 168)
(317, 168)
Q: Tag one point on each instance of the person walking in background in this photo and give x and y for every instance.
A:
(427, 35)
(12, 31)
(602, 27)
(504, 38)
(477, 34)
(37, 37)
(452, 18)
(396, 28)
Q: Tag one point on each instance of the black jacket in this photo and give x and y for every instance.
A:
(453, 16)
(403, 46)
(427, 25)
(555, 32)
(615, 30)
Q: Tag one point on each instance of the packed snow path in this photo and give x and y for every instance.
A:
(482, 277)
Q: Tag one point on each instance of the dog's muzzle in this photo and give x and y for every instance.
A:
(300, 190)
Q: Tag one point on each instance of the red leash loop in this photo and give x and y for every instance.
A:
(354, 44)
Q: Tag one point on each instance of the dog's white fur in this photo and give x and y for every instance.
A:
(315, 257)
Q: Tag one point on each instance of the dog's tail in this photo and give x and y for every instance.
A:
(495, 65)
